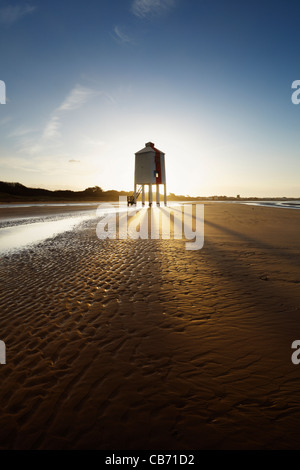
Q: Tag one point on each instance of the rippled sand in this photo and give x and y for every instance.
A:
(140, 344)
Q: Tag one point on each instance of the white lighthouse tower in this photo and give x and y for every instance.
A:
(149, 169)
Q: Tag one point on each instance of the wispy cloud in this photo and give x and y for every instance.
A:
(11, 14)
(51, 141)
(77, 97)
(21, 131)
(143, 8)
(52, 128)
(120, 36)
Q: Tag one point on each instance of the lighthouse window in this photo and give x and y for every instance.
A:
(156, 174)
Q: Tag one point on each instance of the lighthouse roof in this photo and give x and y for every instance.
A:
(149, 147)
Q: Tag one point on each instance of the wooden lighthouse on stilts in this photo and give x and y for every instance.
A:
(149, 169)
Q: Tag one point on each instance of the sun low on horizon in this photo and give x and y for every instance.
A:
(89, 83)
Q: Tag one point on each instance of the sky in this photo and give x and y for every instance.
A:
(88, 83)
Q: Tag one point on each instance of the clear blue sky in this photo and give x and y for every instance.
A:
(208, 81)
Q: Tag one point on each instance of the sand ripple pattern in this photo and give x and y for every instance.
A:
(139, 344)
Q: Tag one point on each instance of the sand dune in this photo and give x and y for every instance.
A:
(140, 344)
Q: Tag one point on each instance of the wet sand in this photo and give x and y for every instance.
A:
(140, 344)
(42, 211)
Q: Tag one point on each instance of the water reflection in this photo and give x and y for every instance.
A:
(20, 236)
(27, 231)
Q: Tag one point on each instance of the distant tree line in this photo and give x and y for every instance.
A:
(10, 192)
(17, 191)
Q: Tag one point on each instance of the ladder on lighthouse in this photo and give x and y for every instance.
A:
(130, 199)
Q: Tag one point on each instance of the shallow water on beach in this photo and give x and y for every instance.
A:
(16, 234)
(20, 236)
(279, 204)
(49, 204)
(25, 231)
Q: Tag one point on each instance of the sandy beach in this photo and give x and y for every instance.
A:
(8, 211)
(141, 344)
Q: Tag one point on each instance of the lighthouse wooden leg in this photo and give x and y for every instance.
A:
(134, 194)
(143, 195)
(157, 195)
(150, 195)
(165, 194)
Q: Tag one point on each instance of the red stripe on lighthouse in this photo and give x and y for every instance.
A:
(157, 164)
